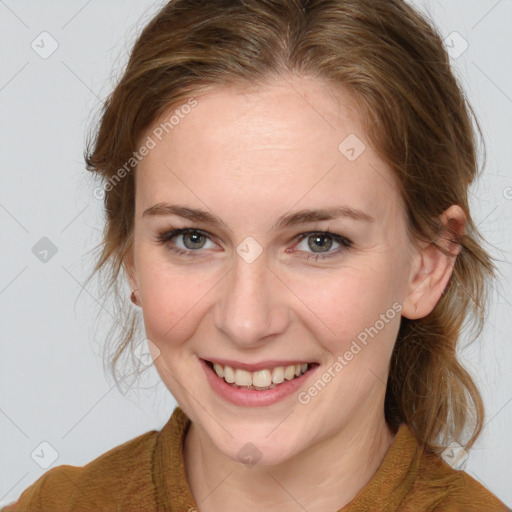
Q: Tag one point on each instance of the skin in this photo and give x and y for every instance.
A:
(249, 156)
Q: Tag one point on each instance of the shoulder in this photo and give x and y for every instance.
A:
(121, 475)
(447, 489)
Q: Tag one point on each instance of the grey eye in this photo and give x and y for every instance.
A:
(194, 240)
(319, 242)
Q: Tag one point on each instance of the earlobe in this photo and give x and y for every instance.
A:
(432, 268)
(132, 280)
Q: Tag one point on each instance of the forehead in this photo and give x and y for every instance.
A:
(293, 142)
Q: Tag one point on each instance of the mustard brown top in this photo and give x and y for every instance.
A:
(147, 473)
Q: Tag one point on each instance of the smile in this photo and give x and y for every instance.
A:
(266, 378)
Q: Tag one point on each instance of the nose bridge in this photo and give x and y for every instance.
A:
(248, 310)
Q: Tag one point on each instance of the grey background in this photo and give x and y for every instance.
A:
(53, 388)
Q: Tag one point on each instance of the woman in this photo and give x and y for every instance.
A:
(286, 189)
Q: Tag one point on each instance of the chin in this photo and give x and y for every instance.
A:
(255, 454)
(259, 448)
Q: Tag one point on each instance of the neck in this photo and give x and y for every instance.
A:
(342, 465)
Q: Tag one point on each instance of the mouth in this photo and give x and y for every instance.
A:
(261, 379)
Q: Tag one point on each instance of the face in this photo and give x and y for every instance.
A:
(249, 290)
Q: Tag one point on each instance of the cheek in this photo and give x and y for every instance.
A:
(171, 299)
(353, 305)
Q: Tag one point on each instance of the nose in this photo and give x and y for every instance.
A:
(252, 307)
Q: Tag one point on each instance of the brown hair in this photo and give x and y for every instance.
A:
(392, 60)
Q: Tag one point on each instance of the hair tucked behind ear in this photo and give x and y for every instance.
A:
(392, 61)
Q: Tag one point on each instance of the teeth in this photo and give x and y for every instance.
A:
(289, 372)
(262, 379)
(218, 369)
(243, 378)
(229, 374)
(278, 375)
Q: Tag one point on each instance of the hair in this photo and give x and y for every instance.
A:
(391, 59)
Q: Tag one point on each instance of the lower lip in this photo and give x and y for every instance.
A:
(251, 397)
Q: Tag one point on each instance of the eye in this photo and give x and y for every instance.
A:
(319, 242)
(193, 240)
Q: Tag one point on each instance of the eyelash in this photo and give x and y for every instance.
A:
(165, 236)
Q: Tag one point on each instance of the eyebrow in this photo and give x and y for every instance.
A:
(287, 220)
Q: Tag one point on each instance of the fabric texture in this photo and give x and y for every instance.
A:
(147, 473)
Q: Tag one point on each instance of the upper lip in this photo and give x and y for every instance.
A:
(262, 365)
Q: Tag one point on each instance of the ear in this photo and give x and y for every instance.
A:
(431, 268)
(129, 268)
